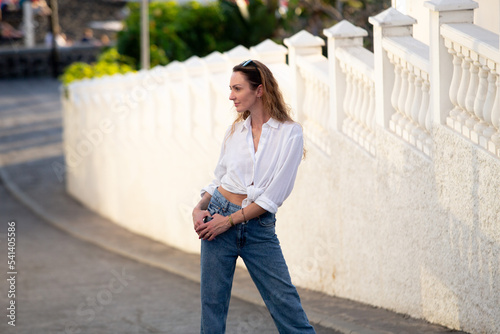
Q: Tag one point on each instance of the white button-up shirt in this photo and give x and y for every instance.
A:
(266, 176)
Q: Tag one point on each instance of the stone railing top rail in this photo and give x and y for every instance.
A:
(473, 37)
(409, 49)
(315, 64)
(359, 58)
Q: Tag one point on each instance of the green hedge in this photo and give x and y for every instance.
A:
(109, 62)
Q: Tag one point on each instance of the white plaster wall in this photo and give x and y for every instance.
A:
(401, 231)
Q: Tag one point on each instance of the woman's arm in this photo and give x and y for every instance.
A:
(200, 210)
(250, 212)
(220, 224)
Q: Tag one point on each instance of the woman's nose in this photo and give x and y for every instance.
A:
(231, 96)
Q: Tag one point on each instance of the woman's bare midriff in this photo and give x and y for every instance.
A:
(231, 197)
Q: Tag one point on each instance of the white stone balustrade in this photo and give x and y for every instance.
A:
(359, 101)
(355, 97)
(475, 87)
(314, 72)
(310, 93)
(412, 120)
(405, 99)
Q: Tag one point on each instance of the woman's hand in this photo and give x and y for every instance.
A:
(198, 216)
(208, 231)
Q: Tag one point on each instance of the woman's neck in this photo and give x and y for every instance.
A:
(259, 118)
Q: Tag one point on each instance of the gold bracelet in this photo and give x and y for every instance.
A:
(231, 220)
(243, 213)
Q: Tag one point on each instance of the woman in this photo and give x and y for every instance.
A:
(236, 215)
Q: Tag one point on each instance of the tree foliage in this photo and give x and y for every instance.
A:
(178, 32)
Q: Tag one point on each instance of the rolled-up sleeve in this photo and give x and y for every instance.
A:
(283, 181)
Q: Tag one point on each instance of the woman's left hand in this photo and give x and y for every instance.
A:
(213, 228)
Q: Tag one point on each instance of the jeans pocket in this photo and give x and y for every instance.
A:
(267, 219)
(212, 208)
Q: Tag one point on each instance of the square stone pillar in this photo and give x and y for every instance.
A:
(441, 61)
(343, 34)
(389, 23)
(301, 44)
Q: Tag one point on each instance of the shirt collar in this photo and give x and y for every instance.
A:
(271, 122)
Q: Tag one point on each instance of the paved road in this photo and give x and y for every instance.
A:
(66, 285)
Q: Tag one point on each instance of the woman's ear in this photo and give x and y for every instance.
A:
(260, 91)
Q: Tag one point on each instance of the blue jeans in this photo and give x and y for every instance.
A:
(257, 244)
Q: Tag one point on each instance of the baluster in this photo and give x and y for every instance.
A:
(359, 106)
(316, 105)
(371, 115)
(312, 102)
(417, 103)
(366, 102)
(353, 102)
(411, 92)
(495, 115)
(481, 99)
(455, 84)
(424, 111)
(370, 120)
(410, 126)
(471, 95)
(425, 136)
(462, 90)
(325, 98)
(313, 106)
(488, 104)
(361, 128)
(402, 99)
(355, 93)
(307, 97)
(348, 96)
(396, 91)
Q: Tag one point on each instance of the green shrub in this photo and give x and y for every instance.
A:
(109, 62)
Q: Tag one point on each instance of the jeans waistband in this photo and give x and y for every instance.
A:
(223, 202)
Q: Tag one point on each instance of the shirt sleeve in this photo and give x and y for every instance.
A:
(220, 170)
(283, 181)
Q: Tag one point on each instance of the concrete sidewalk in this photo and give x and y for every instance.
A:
(29, 173)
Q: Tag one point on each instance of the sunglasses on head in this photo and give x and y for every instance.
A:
(247, 62)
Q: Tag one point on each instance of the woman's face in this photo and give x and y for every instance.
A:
(242, 95)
